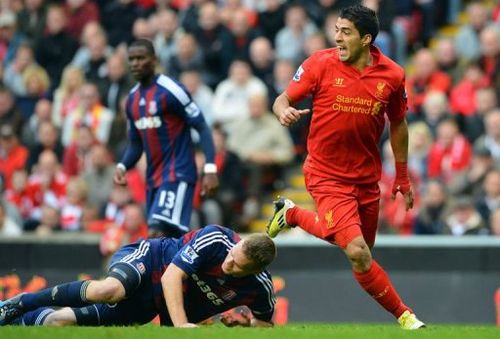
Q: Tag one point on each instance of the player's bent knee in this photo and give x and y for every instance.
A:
(359, 254)
(123, 279)
(62, 317)
(109, 290)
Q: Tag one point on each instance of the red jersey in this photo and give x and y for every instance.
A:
(348, 113)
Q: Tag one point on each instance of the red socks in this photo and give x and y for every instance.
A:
(305, 219)
(377, 284)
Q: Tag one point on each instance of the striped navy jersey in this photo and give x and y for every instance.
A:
(159, 119)
(207, 290)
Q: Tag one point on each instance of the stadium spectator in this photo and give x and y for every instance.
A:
(55, 49)
(485, 101)
(117, 17)
(92, 30)
(216, 43)
(272, 18)
(189, 17)
(47, 139)
(8, 228)
(262, 61)
(435, 110)
(289, 41)
(79, 13)
(200, 92)
(450, 154)
(10, 37)
(115, 84)
(13, 77)
(491, 138)
(42, 113)
(463, 94)
(448, 60)
(143, 29)
(114, 210)
(165, 38)
(66, 96)
(72, 208)
(243, 32)
(419, 142)
(132, 230)
(99, 176)
(470, 182)
(90, 112)
(490, 199)
(9, 113)
(239, 266)
(431, 217)
(225, 206)
(229, 10)
(489, 60)
(158, 101)
(426, 78)
(13, 155)
(47, 184)
(343, 167)
(19, 197)
(467, 38)
(187, 56)
(230, 103)
(50, 221)
(319, 9)
(31, 19)
(464, 219)
(264, 147)
(77, 155)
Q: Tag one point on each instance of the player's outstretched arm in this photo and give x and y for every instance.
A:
(171, 283)
(287, 115)
(399, 143)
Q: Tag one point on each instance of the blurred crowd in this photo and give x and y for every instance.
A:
(65, 78)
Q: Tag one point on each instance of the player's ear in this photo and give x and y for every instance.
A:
(366, 40)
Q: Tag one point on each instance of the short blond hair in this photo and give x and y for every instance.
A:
(260, 250)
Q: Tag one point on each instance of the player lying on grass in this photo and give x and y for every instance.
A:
(184, 281)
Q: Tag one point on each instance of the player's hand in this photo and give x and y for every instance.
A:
(210, 183)
(230, 321)
(119, 177)
(405, 189)
(188, 325)
(291, 115)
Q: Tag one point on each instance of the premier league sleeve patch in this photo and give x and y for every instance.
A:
(189, 255)
(298, 74)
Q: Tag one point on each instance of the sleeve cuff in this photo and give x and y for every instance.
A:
(121, 167)
(210, 169)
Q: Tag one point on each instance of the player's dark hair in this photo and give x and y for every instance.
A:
(364, 19)
(259, 249)
(147, 44)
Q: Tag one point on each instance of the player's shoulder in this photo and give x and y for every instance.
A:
(265, 282)
(324, 55)
(391, 66)
(173, 87)
(134, 89)
(215, 234)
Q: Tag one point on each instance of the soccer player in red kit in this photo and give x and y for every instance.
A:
(353, 87)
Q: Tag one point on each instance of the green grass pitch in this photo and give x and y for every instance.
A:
(316, 331)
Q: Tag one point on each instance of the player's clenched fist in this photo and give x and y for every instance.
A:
(291, 115)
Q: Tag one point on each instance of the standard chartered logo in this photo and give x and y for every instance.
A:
(356, 105)
(207, 290)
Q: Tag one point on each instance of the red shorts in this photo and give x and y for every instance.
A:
(345, 211)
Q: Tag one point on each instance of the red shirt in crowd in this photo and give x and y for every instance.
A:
(13, 161)
(349, 109)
